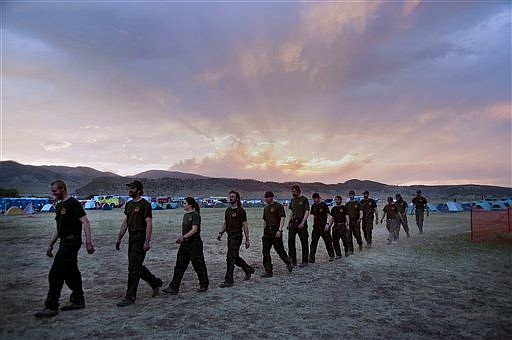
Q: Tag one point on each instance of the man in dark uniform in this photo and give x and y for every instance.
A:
(235, 220)
(70, 216)
(402, 209)
(369, 207)
(340, 227)
(392, 216)
(355, 215)
(420, 203)
(298, 225)
(273, 223)
(139, 223)
(321, 225)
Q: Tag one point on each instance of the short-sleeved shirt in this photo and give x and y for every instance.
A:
(299, 206)
(368, 205)
(354, 208)
(273, 213)
(338, 214)
(402, 206)
(234, 219)
(136, 214)
(320, 211)
(419, 202)
(391, 211)
(67, 215)
(190, 219)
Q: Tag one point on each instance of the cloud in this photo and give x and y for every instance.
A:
(55, 146)
(389, 91)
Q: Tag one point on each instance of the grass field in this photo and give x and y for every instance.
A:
(434, 285)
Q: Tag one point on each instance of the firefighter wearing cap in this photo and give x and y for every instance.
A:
(369, 207)
(340, 227)
(321, 226)
(392, 217)
(420, 203)
(355, 214)
(402, 209)
(138, 222)
(273, 223)
(298, 225)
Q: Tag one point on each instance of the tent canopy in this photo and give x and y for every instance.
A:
(48, 208)
(451, 207)
(14, 211)
(29, 209)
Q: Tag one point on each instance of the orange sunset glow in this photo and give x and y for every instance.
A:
(402, 92)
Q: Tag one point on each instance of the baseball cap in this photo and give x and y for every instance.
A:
(418, 191)
(269, 194)
(351, 192)
(366, 192)
(135, 184)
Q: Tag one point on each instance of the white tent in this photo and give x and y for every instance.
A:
(29, 209)
(90, 204)
(48, 208)
(451, 207)
(432, 207)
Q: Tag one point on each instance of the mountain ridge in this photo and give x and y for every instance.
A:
(85, 181)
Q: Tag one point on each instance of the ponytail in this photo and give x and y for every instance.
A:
(191, 201)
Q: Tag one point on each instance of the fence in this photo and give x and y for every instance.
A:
(486, 225)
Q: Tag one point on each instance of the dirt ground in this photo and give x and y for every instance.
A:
(430, 286)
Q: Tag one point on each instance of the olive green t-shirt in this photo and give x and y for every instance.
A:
(320, 212)
(234, 219)
(368, 205)
(402, 206)
(299, 206)
(273, 213)
(136, 214)
(419, 202)
(391, 211)
(338, 213)
(67, 215)
(190, 219)
(353, 207)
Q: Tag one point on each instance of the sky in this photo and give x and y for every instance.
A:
(399, 92)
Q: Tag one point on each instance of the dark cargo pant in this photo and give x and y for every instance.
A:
(269, 239)
(393, 226)
(403, 222)
(136, 269)
(339, 231)
(190, 251)
(233, 257)
(355, 230)
(419, 219)
(65, 269)
(293, 230)
(368, 228)
(315, 236)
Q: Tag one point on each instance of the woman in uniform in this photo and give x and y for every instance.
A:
(191, 249)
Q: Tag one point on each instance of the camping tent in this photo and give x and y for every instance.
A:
(482, 205)
(156, 206)
(14, 211)
(48, 208)
(90, 204)
(498, 205)
(29, 209)
(451, 207)
(432, 207)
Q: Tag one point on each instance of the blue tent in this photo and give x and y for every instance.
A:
(451, 207)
